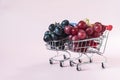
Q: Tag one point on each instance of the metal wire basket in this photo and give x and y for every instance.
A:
(88, 46)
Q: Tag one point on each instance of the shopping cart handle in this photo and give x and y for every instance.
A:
(109, 27)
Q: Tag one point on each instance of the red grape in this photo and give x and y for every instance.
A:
(87, 26)
(109, 27)
(83, 49)
(97, 28)
(75, 44)
(82, 34)
(75, 38)
(77, 29)
(89, 31)
(74, 31)
(98, 23)
(68, 29)
(70, 37)
(82, 25)
(96, 34)
(103, 28)
(93, 44)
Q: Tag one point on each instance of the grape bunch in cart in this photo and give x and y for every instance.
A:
(83, 38)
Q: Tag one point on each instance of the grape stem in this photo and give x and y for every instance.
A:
(87, 21)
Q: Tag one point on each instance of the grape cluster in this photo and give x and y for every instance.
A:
(74, 32)
(56, 31)
(82, 30)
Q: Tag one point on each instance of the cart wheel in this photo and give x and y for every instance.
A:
(78, 68)
(90, 60)
(79, 61)
(61, 64)
(50, 61)
(64, 57)
(103, 66)
(71, 64)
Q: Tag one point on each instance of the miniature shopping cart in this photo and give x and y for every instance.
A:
(86, 47)
(59, 46)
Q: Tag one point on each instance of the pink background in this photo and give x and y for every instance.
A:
(23, 55)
